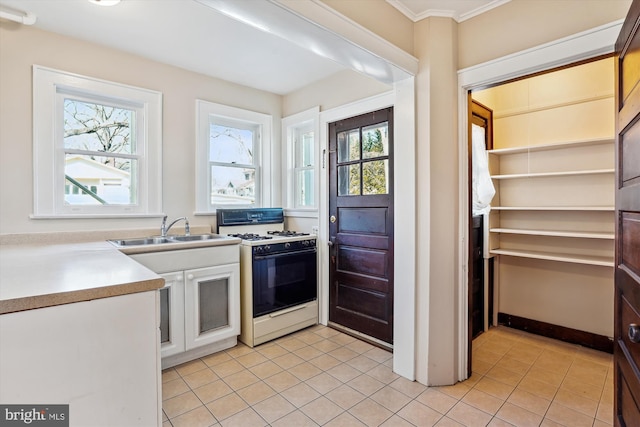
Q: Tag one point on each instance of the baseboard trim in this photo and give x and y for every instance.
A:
(573, 336)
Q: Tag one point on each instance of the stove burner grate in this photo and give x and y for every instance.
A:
(287, 233)
(250, 236)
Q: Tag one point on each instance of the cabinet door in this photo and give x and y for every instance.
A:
(212, 305)
(172, 314)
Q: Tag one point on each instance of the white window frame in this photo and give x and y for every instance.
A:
(292, 127)
(49, 88)
(206, 112)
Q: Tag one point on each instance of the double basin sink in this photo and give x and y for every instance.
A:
(159, 240)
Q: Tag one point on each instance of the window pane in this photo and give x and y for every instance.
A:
(348, 145)
(375, 141)
(97, 127)
(109, 176)
(230, 145)
(305, 188)
(232, 185)
(349, 180)
(375, 177)
(305, 156)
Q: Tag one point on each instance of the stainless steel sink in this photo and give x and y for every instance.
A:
(159, 240)
(196, 237)
(143, 241)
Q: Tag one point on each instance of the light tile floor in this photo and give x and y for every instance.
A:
(320, 376)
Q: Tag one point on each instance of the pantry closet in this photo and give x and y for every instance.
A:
(551, 227)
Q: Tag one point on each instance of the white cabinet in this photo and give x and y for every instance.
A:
(200, 302)
(172, 314)
(100, 357)
(212, 305)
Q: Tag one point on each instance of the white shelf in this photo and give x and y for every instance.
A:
(556, 233)
(560, 257)
(555, 146)
(554, 208)
(553, 174)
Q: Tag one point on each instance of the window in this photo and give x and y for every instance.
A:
(97, 147)
(231, 143)
(301, 132)
(363, 161)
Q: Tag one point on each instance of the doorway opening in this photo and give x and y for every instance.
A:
(550, 228)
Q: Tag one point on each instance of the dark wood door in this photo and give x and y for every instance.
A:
(361, 224)
(627, 270)
(481, 117)
(480, 126)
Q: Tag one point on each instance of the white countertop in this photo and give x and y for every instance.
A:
(43, 275)
(36, 271)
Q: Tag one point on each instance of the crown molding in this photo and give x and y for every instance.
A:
(445, 13)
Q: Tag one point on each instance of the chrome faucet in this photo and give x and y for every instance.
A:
(164, 228)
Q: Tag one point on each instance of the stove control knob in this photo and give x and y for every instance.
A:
(267, 248)
(287, 245)
(259, 249)
(305, 243)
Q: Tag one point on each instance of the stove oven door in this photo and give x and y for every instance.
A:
(283, 280)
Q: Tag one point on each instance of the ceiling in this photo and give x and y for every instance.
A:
(213, 37)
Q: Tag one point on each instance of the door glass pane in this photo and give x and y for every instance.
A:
(165, 332)
(375, 141)
(348, 146)
(232, 185)
(213, 304)
(375, 177)
(349, 180)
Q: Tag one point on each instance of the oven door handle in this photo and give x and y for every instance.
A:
(293, 253)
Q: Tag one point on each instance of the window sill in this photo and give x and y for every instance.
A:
(96, 216)
(301, 213)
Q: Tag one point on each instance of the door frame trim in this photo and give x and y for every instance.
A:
(402, 99)
(577, 47)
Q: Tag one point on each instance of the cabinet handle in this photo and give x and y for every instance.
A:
(634, 333)
(190, 276)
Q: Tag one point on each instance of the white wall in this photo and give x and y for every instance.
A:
(23, 46)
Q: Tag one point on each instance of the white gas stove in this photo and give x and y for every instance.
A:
(278, 273)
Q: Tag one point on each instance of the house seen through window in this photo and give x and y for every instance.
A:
(101, 160)
(232, 164)
(231, 147)
(97, 147)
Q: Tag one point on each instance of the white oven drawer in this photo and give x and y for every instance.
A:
(279, 323)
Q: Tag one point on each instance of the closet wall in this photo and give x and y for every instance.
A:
(551, 227)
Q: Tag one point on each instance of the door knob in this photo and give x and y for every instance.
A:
(332, 218)
(634, 333)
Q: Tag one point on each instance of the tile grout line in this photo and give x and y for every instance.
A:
(518, 339)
